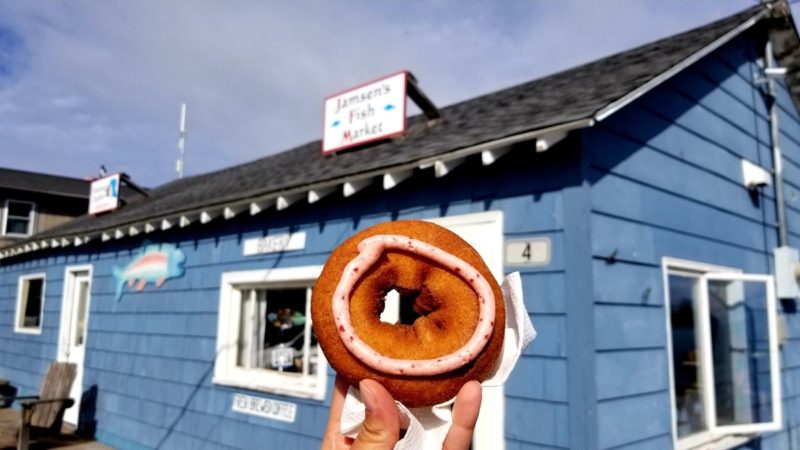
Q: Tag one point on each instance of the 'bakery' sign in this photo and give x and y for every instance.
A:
(366, 113)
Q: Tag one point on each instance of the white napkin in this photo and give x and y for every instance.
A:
(429, 425)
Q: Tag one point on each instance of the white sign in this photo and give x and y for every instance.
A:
(274, 244)
(528, 252)
(366, 113)
(104, 194)
(264, 407)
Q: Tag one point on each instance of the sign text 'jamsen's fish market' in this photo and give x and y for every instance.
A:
(370, 112)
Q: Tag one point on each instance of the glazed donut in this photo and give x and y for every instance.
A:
(458, 308)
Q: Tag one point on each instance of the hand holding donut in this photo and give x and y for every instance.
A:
(383, 422)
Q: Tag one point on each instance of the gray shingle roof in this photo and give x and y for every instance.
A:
(571, 95)
(43, 183)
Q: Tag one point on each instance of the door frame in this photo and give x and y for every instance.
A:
(65, 326)
(490, 429)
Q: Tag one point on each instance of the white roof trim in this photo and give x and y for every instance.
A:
(232, 211)
(443, 167)
(209, 215)
(490, 156)
(286, 200)
(258, 206)
(548, 140)
(351, 187)
(393, 178)
(149, 228)
(316, 194)
(166, 224)
(185, 220)
(119, 234)
(669, 73)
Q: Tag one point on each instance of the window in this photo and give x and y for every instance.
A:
(724, 353)
(30, 302)
(265, 339)
(18, 218)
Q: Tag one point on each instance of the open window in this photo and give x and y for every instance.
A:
(265, 340)
(30, 304)
(724, 353)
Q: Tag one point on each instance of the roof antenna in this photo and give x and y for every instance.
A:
(181, 141)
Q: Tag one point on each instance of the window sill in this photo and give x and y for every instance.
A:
(288, 389)
(15, 235)
(28, 330)
(721, 443)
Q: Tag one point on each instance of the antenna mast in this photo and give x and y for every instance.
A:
(181, 141)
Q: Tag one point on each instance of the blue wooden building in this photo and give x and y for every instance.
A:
(642, 198)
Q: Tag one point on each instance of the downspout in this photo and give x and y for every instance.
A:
(783, 239)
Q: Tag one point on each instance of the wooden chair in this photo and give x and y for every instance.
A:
(44, 413)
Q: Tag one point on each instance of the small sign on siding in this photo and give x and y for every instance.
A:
(528, 252)
(274, 244)
(264, 407)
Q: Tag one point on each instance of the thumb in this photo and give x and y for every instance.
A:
(381, 427)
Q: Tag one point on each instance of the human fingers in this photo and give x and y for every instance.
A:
(333, 438)
(465, 414)
(381, 427)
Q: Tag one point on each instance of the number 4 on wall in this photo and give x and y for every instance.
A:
(528, 252)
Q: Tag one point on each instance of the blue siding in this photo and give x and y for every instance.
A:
(151, 355)
(666, 182)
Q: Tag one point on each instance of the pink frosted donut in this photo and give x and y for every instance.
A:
(452, 330)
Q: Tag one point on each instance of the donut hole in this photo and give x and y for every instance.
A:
(405, 306)
(435, 312)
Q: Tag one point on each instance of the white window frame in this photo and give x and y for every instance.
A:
(18, 328)
(31, 218)
(719, 437)
(226, 371)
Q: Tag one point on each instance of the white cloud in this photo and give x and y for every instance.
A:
(101, 82)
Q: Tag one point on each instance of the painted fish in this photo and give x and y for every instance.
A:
(155, 264)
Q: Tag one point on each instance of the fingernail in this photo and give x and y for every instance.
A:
(367, 395)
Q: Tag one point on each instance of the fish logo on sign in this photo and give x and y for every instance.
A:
(156, 264)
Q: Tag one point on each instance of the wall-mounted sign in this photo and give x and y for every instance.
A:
(528, 252)
(264, 407)
(104, 194)
(369, 112)
(154, 263)
(274, 244)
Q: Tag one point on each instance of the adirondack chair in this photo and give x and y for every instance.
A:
(44, 412)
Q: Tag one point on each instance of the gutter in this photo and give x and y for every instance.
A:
(777, 157)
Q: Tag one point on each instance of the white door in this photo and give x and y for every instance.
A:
(484, 231)
(74, 320)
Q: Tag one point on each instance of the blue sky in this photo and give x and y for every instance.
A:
(88, 83)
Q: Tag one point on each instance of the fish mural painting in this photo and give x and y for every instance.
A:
(155, 264)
